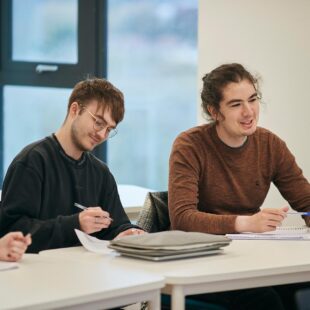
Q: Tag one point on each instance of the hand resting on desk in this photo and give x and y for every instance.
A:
(267, 219)
(130, 232)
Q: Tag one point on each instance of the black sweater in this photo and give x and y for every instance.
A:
(40, 189)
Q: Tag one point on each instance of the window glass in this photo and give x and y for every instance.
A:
(152, 58)
(30, 114)
(45, 31)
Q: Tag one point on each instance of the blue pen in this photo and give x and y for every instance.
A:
(298, 213)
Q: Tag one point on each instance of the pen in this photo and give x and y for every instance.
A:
(298, 213)
(85, 208)
(80, 206)
(33, 229)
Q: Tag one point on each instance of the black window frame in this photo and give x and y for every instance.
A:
(92, 58)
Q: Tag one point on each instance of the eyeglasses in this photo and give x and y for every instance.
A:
(100, 125)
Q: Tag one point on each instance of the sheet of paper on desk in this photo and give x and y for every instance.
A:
(8, 265)
(93, 244)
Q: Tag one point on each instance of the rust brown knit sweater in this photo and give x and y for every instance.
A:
(211, 183)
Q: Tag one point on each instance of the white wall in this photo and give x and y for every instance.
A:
(270, 37)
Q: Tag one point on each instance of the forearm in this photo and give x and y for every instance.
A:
(267, 219)
(242, 224)
(194, 220)
(47, 234)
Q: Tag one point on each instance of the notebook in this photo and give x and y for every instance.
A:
(289, 230)
(281, 233)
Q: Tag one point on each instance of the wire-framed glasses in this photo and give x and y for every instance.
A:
(100, 125)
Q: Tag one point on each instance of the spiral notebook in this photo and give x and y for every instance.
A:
(291, 230)
(281, 233)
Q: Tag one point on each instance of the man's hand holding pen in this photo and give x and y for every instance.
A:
(93, 219)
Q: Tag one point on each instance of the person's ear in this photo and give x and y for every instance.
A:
(213, 112)
(74, 109)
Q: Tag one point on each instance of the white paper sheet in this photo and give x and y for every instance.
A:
(93, 244)
(8, 265)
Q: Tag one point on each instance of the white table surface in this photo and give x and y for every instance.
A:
(244, 264)
(43, 282)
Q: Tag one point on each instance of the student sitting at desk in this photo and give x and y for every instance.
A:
(13, 245)
(48, 179)
(220, 173)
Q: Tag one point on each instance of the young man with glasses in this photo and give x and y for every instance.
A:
(49, 180)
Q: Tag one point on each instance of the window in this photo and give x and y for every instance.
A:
(51, 35)
(152, 58)
(30, 113)
(41, 61)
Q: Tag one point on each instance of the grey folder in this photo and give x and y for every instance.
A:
(168, 245)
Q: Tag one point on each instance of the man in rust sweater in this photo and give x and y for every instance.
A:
(220, 173)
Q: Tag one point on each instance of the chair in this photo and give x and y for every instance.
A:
(303, 299)
(154, 217)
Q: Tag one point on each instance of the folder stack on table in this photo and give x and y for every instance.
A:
(169, 245)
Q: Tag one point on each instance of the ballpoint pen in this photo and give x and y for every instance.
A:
(33, 229)
(298, 213)
(78, 205)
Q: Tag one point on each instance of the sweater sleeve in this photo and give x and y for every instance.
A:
(289, 180)
(112, 204)
(186, 165)
(21, 207)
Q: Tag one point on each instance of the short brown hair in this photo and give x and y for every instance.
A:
(215, 82)
(101, 90)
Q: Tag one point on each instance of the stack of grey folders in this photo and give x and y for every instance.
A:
(169, 245)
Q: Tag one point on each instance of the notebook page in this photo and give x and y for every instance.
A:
(281, 233)
(289, 230)
(268, 237)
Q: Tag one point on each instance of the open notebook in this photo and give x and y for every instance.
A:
(281, 233)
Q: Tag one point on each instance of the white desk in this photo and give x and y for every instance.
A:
(46, 283)
(132, 198)
(244, 264)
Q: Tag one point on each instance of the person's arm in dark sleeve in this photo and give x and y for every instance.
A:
(113, 205)
(21, 209)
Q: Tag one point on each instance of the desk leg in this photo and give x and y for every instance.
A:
(177, 298)
(154, 303)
